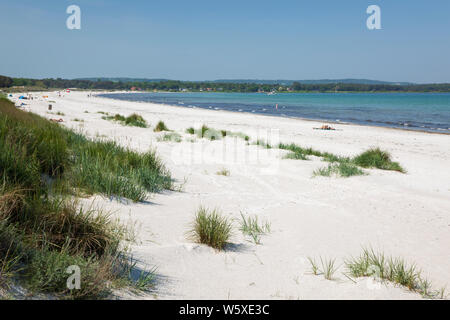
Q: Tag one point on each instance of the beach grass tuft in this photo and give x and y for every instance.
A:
(43, 229)
(169, 137)
(160, 126)
(342, 169)
(134, 120)
(190, 130)
(263, 143)
(343, 166)
(396, 270)
(223, 172)
(328, 267)
(376, 158)
(314, 266)
(211, 228)
(250, 226)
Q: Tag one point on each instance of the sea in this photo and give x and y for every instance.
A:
(410, 111)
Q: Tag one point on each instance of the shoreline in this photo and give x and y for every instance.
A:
(274, 116)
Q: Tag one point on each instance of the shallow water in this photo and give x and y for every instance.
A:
(413, 111)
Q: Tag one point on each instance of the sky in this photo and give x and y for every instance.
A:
(245, 39)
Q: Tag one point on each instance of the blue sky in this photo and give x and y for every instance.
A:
(251, 39)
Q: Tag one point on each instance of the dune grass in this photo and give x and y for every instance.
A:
(160, 126)
(169, 137)
(396, 270)
(250, 226)
(343, 166)
(342, 169)
(211, 228)
(263, 144)
(377, 158)
(223, 172)
(212, 134)
(134, 120)
(314, 266)
(190, 130)
(43, 229)
(295, 156)
(209, 133)
(327, 267)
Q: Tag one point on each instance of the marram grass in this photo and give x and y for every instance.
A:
(210, 227)
(160, 126)
(43, 230)
(134, 120)
(371, 263)
(253, 228)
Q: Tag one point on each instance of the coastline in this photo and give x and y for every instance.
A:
(404, 215)
(280, 116)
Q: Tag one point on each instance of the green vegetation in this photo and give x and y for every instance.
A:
(238, 134)
(223, 172)
(342, 169)
(211, 228)
(161, 126)
(396, 270)
(343, 166)
(376, 158)
(43, 229)
(206, 132)
(301, 153)
(59, 113)
(209, 133)
(6, 82)
(133, 120)
(250, 226)
(328, 267)
(220, 86)
(172, 137)
(213, 134)
(314, 267)
(262, 143)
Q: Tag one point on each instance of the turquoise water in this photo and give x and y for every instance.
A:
(414, 111)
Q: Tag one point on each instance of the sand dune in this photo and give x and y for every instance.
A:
(404, 215)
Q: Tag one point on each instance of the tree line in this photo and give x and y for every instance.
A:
(174, 85)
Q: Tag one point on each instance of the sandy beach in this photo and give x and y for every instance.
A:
(403, 215)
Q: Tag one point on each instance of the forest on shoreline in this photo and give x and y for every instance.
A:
(197, 86)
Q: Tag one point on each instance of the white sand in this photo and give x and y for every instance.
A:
(404, 215)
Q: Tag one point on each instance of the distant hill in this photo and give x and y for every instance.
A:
(280, 81)
(320, 81)
(122, 79)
